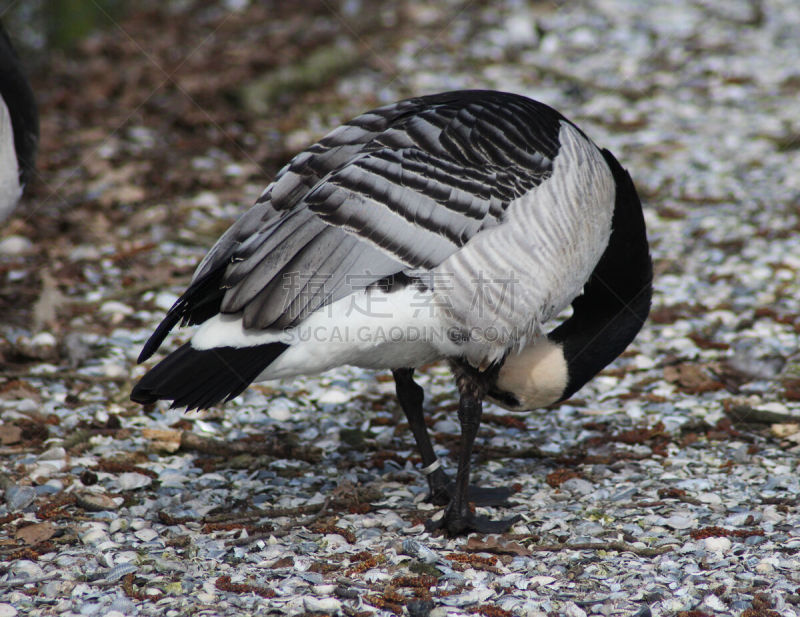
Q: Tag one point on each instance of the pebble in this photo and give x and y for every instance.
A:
(15, 246)
(96, 502)
(25, 568)
(94, 536)
(468, 598)
(123, 605)
(573, 610)
(717, 544)
(766, 565)
(712, 602)
(146, 535)
(164, 300)
(577, 486)
(120, 571)
(710, 498)
(322, 605)
(679, 521)
(118, 524)
(19, 497)
(130, 480)
(416, 549)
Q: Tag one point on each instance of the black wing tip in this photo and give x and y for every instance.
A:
(198, 303)
(198, 379)
(155, 340)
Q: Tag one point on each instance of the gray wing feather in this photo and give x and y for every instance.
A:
(509, 280)
(400, 188)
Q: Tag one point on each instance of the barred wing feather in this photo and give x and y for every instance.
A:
(406, 187)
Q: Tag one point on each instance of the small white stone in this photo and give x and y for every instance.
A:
(24, 568)
(468, 598)
(710, 498)
(677, 521)
(41, 471)
(577, 486)
(44, 339)
(720, 544)
(85, 252)
(206, 199)
(53, 454)
(766, 565)
(279, 411)
(15, 245)
(644, 363)
(146, 535)
(520, 30)
(714, 603)
(130, 480)
(113, 369)
(165, 300)
(94, 536)
(321, 605)
(334, 541)
(324, 590)
(112, 307)
(126, 557)
(334, 397)
(573, 610)
(374, 575)
(6, 610)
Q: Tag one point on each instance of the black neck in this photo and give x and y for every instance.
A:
(616, 300)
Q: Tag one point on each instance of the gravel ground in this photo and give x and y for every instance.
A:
(667, 486)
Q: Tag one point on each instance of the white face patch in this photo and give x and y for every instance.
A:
(536, 376)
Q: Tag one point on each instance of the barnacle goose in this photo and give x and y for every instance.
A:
(451, 226)
(19, 127)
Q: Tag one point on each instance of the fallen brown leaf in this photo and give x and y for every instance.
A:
(36, 533)
(691, 378)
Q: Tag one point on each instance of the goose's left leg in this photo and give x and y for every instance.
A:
(410, 395)
(458, 518)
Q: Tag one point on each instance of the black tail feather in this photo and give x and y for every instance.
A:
(199, 378)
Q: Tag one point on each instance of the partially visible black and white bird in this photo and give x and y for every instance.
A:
(452, 226)
(19, 127)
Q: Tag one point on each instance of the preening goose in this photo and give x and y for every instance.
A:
(19, 127)
(451, 226)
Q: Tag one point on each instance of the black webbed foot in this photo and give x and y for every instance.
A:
(442, 489)
(489, 496)
(455, 523)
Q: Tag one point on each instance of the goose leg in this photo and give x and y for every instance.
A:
(410, 395)
(458, 518)
(441, 487)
